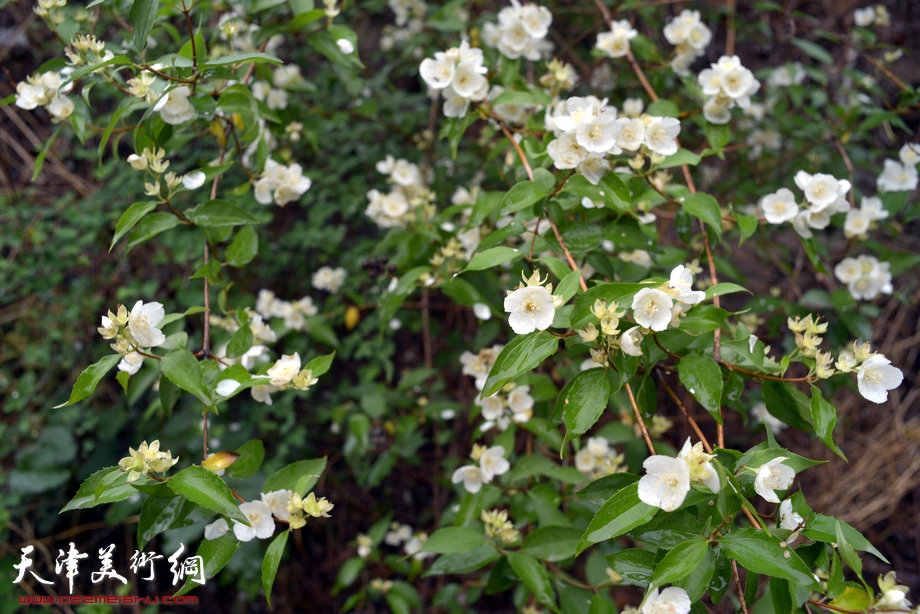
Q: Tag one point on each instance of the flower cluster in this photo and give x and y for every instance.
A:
(900, 176)
(478, 365)
(174, 106)
(598, 459)
(691, 37)
(874, 374)
(872, 15)
(825, 195)
(726, 84)
(520, 32)
(44, 90)
(329, 279)
(153, 161)
(498, 526)
(587, 130)
(893, 596)
(559, 76)
(667, 479)
(656, 308)
(146, 459)
(294, 313)
(284, 375)
(860, 220)
(409, 192)
(48, 9)
(491, 462)
(280, 183)
(512, 404)
(459, 74)
(672, 600)
(402, 535)
(86, 49)
(865, 276)
(532, 306)
(133, 332)
(788, 74)
(615, 43)
(311, 506)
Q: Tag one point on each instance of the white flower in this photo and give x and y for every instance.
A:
(872, 206)
(482, 311)
(193, 180)
(277, 501)
(345, 46)
(142, 324)
(661, 135)
(493, 407)
(909, 154)
(226, 387)
(60, 107)
(631, 341)
(284, 369)
(672, 600)
(493, 463)
(531, 308)
(779, 206)
(131, 362)
(681, 283)
(471, 476)
(259, 516)
(790, 520)
(615, 43)
(262, 393)
(666, 482)
(864, 17)
(598, 134)
(598, 446)
(584, 460)
(565, 151)
(699, 465)
(630, 133)
(876, 377)
(821, 189)
(174, 106)
(652, 309)
(897, 177)
(216, 529)
(773, 476)
(329, 279)
(760, 414)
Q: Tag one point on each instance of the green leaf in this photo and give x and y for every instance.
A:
(240, 341)
(463, 562)
(634, 565)
(152, 225)
(270, 563)
(704, 207)
(663, 108)
(300, 476)
(787, 403)
(609, 292)
(702, 376)
(129, 218)
(142, 17)
(493, 257)
(680, 561)
(215, 553)
(535, 577)
(183, 370)
(159, 514)
(621, 513)
(238, 58)
(116, 490)
(244, 247)
(220, 213)
(681, 158)
(814, 50)
(552, 543)
(725, 287)
(251, 455)
(40, 158)
(824, 419)
(207, 489)
(90, 377)
(522, 354)
(526, 193)
(454, 540)
(532, 97)
(718, 135)
(584, 401)
(761, 553)
(824, 528)
(747, 224)
(321, 364)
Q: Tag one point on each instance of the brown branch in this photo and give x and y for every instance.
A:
(740, 588)
(632, 401)
(680, 405)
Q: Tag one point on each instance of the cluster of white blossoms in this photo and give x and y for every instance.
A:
(242, 35)
(726, 84)
(282, 77)
(408, 193)
(174, 106)
(860, 220)
(478, 365)
(490, 463)
(788, 74)
(407, 9)
(587, 130)
(48, 10)
(44, 90)
(672, 600)
(294, 313)
(285, 505)
(512, 404)
(667, 479)
(329, 279)
(86, 50)
(825, 195)
(615, 43)
(865, 276)
(410, 20)
(598, 459)
(691, 37)
(146, 459)
(133, 332)
(520, 32)
(285, 374)
(900, 176)
(874, 374)
(153, 160)
(458, 74)
(657, 308)
(872, 15)
(280, 183)
(400, 535)
(532, 306)
(497, 525)
(893, 596)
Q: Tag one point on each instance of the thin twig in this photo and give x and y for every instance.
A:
(740, 588)
(632, 401)
(680, 405)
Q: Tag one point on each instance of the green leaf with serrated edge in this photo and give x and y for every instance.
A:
(454, 540)
(704, 207)
(270, 563)
(215, 553)
(600, 490)
(321, 364)
(149, 227)
(620, 292)
(702, 377)
(824, 419)
(585, 401)
(622, 512)
(524, 194)
(90, 377)
(220, 213)
(86, 494)
(240, 342)
(823, 528)
(846, 550)
(535, 577)
(159, 514)
(491, 257)
(726, 287)
(207, 489)
(680, 561)
(761, 553)
(244, 247)
(747, 224)
(183, 370)
(130, 217)
(519, 356)
(249, 461)
(634, 565)
(787, 403)
(568, 286)
(300, 476)
(464, 562)
(142, 17)
(551, 543)
(697, 581)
